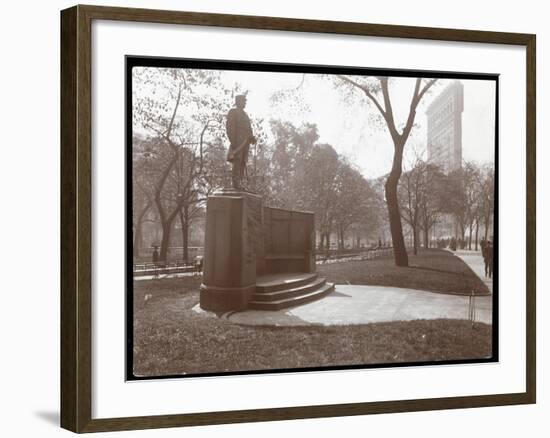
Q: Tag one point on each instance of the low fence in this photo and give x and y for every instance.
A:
(335, 255)
(193, 251)
(321, 257)
(174, 267)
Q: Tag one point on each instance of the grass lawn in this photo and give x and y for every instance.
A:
(433, 269)
(170, 338)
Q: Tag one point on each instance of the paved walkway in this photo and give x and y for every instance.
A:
(474, 260)
(351, 304)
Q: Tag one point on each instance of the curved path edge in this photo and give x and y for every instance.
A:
(355, 304)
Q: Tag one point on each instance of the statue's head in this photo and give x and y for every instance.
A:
(240, 101)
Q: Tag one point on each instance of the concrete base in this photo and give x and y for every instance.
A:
(230, 251)
(245, 240)
(221, 299)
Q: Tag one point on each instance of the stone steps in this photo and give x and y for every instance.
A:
(279, 282)
(301, 289)
(293, 296)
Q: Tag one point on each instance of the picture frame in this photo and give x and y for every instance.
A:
(77, 173)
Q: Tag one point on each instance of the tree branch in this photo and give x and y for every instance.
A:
(366, 91)
(388, 105)
(415, 100)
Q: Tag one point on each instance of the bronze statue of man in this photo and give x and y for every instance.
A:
(239, 132)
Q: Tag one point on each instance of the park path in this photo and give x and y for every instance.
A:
(474, 260)
(354, 304)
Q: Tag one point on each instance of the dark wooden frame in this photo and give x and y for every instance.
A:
(76, 218)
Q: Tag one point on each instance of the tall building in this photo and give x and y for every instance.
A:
(445, 128)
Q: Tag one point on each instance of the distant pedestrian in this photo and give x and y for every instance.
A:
(483, 245)
(198, 264)
(155, 256)
(452, 244)
(488, 258)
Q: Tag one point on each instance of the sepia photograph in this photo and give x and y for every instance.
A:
(298, 218)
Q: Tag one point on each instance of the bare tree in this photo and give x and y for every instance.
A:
(142, 200)
(411, 193)
(168, 109)
(377, 92)
(472, 195)
(319, 192)
(431, 204)
(487, 198)
(355, 201)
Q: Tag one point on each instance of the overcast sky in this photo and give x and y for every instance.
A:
(348, 127)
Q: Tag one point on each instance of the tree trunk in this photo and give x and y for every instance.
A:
(426, 236)
(415, 240)
(470, 236)
(477, 232)
(184, 222)
(487, 223)
(165, 242)
(396, 228)
(186, 240)
(138, 234)
(138, 238)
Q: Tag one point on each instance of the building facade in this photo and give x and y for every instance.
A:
(445, 128)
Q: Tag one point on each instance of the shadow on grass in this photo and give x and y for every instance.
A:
(443, 271)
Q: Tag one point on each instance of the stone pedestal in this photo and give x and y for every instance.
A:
(233, 241)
